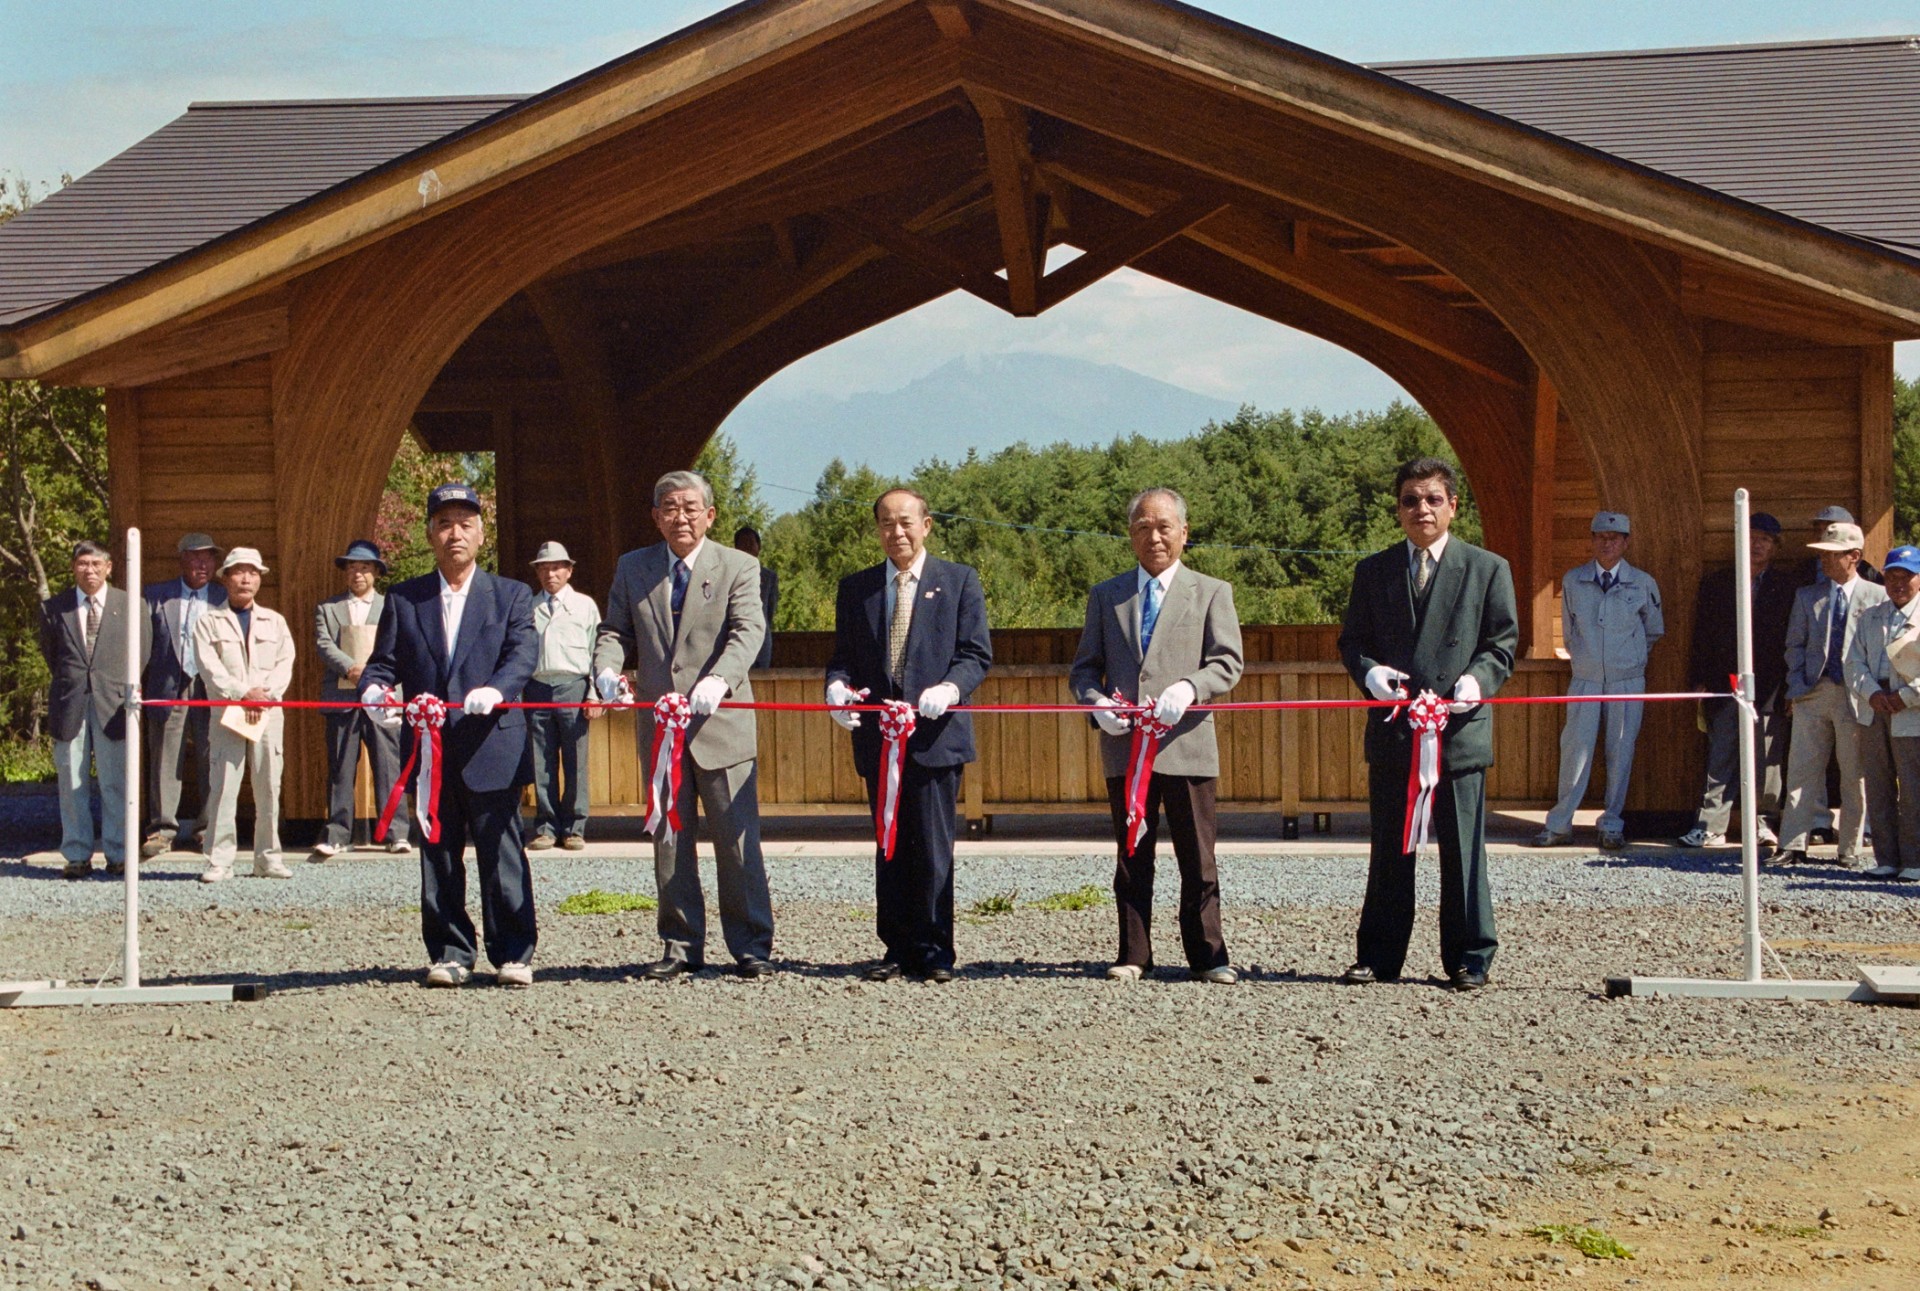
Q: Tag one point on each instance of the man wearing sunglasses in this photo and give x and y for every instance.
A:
(1433, 613)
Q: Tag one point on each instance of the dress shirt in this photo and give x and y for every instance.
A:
(567, 625)
(1438, 550)
(360, 608)
(893, 582)
(196, 604)
(453, 607)
(1141, 579)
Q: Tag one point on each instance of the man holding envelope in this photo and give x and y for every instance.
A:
(1883, 669)
(343, 631)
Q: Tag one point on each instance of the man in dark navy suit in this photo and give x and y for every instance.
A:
(468, 637)
(912, 628)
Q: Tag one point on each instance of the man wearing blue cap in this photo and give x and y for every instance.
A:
(1883, 669)
(1711, 664)
(466, 636)
(344, 628)
(1609, 618)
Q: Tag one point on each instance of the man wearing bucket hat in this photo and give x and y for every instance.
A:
(567, 621)
(1883, 668)
(1826, 714)
(343, 632)
(1609, 617)
(245, 651)
(176, 738)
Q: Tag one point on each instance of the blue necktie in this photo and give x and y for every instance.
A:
(680, 576)
(1606, 581)
(1149, 615)
(189, 654)
(1836, 636)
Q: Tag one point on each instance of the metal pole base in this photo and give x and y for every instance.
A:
(32, 995)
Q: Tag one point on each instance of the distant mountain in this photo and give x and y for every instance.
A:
(984, 403)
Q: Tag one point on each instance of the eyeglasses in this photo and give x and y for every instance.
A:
(1434, 500)
(673, 511)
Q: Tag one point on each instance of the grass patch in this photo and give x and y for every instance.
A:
(1086, 898)
(1590, 1242)
(27, 761)
(999, 903)
(597, 902)
(297, 925)
(1799, 1232)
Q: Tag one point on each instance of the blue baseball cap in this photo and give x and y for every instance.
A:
(1907, 558)
(452, 494)
(1759, 521)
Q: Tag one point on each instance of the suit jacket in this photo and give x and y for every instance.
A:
(947, 641)
(330, 623)
(496, 647)
(80, 683)
(769, 602)
(233, 665)
(165, 603)
(721, 628)
(1471, 625)
(1808, 634)
(1713, 657)
(1867, 663)
(1195, 640)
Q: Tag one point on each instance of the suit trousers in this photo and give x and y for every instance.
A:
(75, 762)
(913, 892)
(490, 819)
(1723, 763)
(176, 756)
(1824, 728)
(1891, 764)
(1620, 724)
(1189, 804)
(558, 737)
(232, 758)
(1467, 937)
(730, 796)
(347, 731)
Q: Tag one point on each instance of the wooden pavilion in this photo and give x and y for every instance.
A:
(1632, 280)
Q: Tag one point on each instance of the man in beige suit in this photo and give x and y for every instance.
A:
(1164, 635)
(246, 653)
(687, 613)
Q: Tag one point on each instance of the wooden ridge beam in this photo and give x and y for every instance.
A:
(1123, 249)
(1016, 198)
(255, 328)
(950, 16)
(928, 256)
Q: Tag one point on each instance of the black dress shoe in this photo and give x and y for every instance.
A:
(1363, 975)
(668, 969)
(884, 971)
(753, 966)
(1469, 979)
(938, 974)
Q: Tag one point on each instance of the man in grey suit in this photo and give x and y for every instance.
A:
(176, 738)
(343, 633)
(687, 613)
(83, 637)
(747, 538)
(1162, 634)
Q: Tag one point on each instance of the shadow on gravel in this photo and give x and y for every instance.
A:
(18, 869)
(1812, 877)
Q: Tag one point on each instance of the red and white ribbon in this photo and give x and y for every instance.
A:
(426, 714)
(896, 724)
(671, 717)
(1427, 716)
(1148, 731)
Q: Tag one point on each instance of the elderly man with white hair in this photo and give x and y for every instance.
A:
(1883, 669)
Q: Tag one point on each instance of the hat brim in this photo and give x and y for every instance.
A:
(1835, 546)
(243, 564)
(341, 562)
(552, 560)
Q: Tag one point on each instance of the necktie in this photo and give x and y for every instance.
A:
(189, 657)
(1149, 615)
(1836, 636)
(897, 630)
(1422, 572)
(680, 576)
(1607, 580)
(92, 625)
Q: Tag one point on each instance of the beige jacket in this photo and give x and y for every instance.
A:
(231, 667)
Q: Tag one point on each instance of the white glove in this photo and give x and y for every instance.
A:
(841, 695)
(1466, 693)
(480, 701)
(1384, 682)
(1111, 722)
(936, 700)
(374, 700)
(704, 699)
(1172, 704)
(614, 687)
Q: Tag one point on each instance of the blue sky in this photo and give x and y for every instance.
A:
(81, 80)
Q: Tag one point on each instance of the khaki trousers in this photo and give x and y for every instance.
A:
(1823, 728)
(229, 759)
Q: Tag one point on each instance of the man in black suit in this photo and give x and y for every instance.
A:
(83, 637)
(177, 738)
(1431, 614)
(467, 636)
(912, 628)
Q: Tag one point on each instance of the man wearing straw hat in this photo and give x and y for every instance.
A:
(245, 651)
(344, 627)
(567, 621)
(1883, 668)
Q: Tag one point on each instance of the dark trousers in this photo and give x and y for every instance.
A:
(558, 738)
(175, 753)
(913, 892)
(491, 821)
(1189, 804)
(1723, 763)
(347, 730)
(1467, 937)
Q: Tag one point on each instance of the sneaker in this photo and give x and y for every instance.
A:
(573, 843)
(324, 851)
(1700, 836)
(1123, 973)
(1552, 838)
(1221, 976)
(517, 973)
(272, 868)
(1909, 875)
(1612, 841)
(77, 869)
(540, 842)
(1883, 871)
(398, 847)
(448, 974)
(1765, 837)
(216, 874)
(154, 845)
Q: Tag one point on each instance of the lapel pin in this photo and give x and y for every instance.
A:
(706, 589)
(927, 596)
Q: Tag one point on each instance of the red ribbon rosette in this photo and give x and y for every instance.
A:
(426, 714)
(897, 718)
(1148, 731)
(671, 717)
(1427, 717)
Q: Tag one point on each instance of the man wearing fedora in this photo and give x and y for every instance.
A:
(1826, 714)
(176, 738)
(245, 651)
(343, 632)
(1609, 618)
(567, 621)
(1883, 668)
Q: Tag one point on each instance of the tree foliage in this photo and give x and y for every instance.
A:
(400, 525)
(1906, 460)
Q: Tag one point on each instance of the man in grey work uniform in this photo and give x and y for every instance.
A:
(567, 622)
(1609, 618)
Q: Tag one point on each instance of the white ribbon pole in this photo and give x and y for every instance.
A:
(135, 624)
(1748, 719)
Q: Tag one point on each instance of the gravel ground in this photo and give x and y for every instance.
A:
(1028, 1124)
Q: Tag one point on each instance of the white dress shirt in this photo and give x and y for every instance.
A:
(360, 608)
(1142, 578)
(453, 607)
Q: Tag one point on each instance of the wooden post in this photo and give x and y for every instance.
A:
(1540, 571)
(1876, 446)
(123, 468)
(506, 466)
